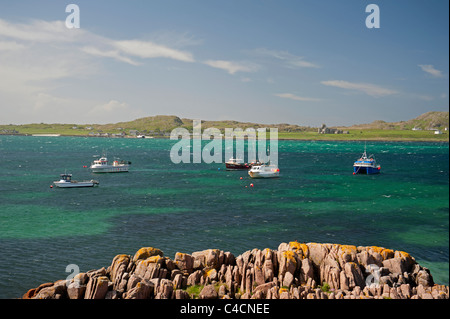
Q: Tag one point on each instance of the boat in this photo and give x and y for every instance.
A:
(264, 171)
(235, 163)
(366, 165)
(67, 182)
(102, 165)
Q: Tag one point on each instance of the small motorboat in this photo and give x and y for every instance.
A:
(366, 165)
(67, 182)
(264, 171)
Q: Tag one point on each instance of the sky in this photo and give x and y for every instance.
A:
(303, 62)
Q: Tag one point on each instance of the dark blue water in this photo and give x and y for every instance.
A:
(191, 207)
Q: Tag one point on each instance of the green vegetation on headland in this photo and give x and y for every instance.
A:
(431, 126)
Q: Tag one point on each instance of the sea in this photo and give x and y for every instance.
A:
(46, 233)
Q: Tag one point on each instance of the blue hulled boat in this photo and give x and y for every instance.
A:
(366, 165)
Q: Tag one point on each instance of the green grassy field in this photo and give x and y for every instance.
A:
(360, 134)
(63, 129)
(382, 135)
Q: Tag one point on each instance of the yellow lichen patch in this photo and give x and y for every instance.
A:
(150, 260)
(154, 259)
(299, 248)
(305, 249)
(290, 255)
(209, 272)
(267, 253)
(402, 254)
(353, 265)
(282, 289)
(377, 249)
(385, 253)
(348, 249)
(295, 245)
(146, 252)
(119, 259)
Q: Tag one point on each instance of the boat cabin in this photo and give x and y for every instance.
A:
(101, 161)
(66, 177)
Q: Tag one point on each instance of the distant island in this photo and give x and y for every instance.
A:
(430, 126)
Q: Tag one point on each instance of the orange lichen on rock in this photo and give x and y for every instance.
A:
(154, 259)
(290, 256)
(348, 249)
(282, 289)
(297, 247)
(402, 254)
(146, 252)
(384, 252)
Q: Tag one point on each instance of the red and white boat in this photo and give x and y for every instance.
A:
(235, 163)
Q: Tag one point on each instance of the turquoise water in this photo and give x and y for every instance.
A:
(190, 207)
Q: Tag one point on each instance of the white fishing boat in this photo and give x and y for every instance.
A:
(264, 171)
(102, 165)
(67, 182)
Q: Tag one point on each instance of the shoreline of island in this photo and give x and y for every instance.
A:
(419, 140)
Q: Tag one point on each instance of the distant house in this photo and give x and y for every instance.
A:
(437, 132)
(417, 129)
(326, 130)
(121, 134)
(134, 132)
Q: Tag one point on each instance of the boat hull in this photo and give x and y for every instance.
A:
(263, 175)
(110, 169)
(75, 184)
(366, 170)
(237, 166)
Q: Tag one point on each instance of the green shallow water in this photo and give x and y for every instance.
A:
(190, 207)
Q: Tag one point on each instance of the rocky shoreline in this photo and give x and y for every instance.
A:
(293, 271)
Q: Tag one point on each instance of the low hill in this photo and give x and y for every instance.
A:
(166, 123)
(153, 123)
(426, 121)
(162, 125)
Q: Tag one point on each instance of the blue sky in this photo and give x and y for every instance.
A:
(290, 61)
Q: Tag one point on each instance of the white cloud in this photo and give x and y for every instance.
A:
(232, 67)
(296, 97)
(40, 31)
(369, 89)
(147, 49)
(11, 46)
(39, 57)
(115, 54)
(428, 68)
(290, 60)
